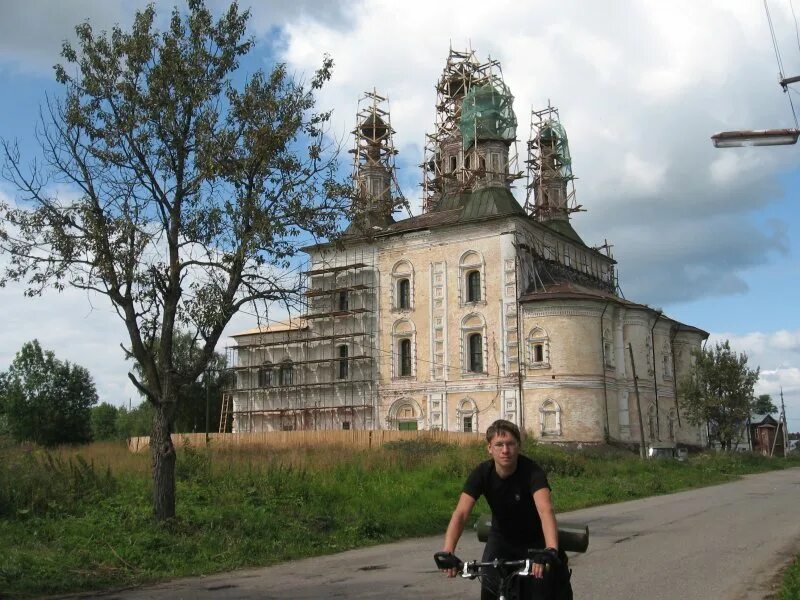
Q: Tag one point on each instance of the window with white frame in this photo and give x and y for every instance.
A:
(404, 340)
(473, 341)
(472, 282)
(467, 415)
(550, 418)
(402, 286)
(538, 348)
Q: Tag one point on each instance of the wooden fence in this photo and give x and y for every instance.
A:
(353, 438)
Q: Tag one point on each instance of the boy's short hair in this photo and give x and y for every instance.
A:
(502, 425)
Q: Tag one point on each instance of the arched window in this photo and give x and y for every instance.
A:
(287, 373)
(405, 357)
(473, 337)
(550, 417)
(472, 278)
(403, 293)
(467, 415)
(473, 286)
(403, 348)
(453, 164)
(476, 353)
(538, 348)
(265, 375)
(343, 364)
(402, 288)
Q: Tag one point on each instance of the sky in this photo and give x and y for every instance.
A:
(708, 235)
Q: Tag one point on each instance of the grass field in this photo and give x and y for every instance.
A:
(80, 518)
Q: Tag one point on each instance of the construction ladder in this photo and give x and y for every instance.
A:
(225, 412)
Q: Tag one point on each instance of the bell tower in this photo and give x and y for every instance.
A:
(551, 188)
(376, 191)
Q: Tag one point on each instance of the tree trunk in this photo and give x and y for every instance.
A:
(163, 453)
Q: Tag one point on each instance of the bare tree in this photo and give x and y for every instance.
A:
(190, 188)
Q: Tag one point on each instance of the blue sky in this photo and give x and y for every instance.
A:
(708, 235)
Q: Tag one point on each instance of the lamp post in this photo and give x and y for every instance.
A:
(755, 137)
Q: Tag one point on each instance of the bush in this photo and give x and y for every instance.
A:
(554, 460)
(193, 464)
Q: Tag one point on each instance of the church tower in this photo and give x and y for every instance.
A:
(473, 144)
(376, 191)
(551, 188)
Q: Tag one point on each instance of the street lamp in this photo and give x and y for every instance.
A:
(755, 137)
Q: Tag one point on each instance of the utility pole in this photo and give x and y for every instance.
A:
(785, 427)
(642, 449)
(208, 414)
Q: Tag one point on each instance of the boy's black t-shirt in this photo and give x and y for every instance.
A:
(514, 514)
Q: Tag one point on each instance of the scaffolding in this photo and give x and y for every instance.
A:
(550, 181)
(378, 192)
(319, 371)
(546, 262)
(473, 104)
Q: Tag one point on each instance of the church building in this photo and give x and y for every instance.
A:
(476, 309)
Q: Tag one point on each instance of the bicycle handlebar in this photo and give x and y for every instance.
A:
(471, 569)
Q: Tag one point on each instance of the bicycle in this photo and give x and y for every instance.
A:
(504, 573)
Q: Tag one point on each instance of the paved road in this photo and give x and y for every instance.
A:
(727, 541)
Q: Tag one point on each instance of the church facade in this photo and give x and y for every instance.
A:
(477, 309)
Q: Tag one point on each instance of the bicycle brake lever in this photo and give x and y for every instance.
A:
(526, 569)
(465, 571)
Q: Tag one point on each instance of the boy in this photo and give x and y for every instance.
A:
(517, 491)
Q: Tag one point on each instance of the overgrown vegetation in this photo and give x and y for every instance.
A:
(80, 518)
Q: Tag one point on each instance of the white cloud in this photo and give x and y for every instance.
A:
(640, 86)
